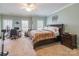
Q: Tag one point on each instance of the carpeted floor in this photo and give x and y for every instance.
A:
(56, 50)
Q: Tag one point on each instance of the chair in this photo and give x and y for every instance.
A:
(13, 34)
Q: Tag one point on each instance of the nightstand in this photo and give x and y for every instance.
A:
(69, 40)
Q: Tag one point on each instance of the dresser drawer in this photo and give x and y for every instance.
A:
(66, 37)
(69, 40)
(68, 45)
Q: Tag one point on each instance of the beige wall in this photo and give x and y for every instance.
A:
(34, 21)
(70, 17)
(0, 25)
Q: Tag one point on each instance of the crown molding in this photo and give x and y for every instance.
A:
(68, 5)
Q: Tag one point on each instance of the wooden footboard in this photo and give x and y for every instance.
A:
(46, 41)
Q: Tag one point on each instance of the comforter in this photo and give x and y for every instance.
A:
(38, 35)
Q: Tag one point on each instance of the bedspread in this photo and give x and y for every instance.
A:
(41, 35)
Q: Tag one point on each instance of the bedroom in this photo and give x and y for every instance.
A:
(45, 14)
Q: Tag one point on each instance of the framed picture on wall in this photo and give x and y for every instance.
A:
(55, 18)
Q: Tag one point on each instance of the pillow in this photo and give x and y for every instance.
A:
(45, 28)
(53, 29)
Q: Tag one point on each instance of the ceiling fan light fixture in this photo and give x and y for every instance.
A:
(28, 7)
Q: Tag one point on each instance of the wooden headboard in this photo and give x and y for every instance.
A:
(60, 26)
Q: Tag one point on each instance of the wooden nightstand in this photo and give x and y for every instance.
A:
(69, 40)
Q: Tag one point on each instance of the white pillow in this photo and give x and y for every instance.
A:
(45, 28)
(53, 29)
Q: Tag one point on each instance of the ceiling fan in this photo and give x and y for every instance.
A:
(28, 6)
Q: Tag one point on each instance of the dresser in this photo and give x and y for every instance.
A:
(69, 40)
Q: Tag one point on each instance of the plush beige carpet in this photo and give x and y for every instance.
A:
(20, 47)
(56, 49)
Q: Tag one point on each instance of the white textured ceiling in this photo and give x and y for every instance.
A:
(42, 9)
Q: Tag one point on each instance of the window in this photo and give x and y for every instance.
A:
(40, 24)
(25, 25)
(7, 24)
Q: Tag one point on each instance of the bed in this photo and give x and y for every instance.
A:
(45, 35)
